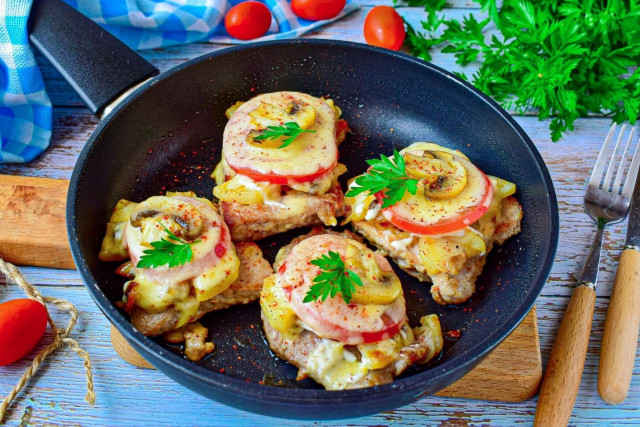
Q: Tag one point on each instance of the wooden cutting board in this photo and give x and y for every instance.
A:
(32, 212)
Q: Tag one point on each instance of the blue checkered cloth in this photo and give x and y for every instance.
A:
(25, 109)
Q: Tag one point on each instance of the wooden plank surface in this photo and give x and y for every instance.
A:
(126, 396)
(32, 211)
(491, 381)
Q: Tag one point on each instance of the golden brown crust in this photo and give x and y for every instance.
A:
(255, 222)
(297, 353)
(447, 288)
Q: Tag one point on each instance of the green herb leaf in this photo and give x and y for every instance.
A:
(333, 278)
(167, 252)
(290, 129)
(563, 59)
(387, 176)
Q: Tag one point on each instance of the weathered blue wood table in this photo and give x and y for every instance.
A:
(131, 396)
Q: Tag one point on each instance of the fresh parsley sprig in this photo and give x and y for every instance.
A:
(334, 278)
(387, 176)
(167, 252)
(563, 59)
(290, 129)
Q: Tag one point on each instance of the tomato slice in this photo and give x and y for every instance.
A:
(400, 216)
(333, 318)
(282, 179)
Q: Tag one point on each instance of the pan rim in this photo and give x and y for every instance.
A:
(461, 363)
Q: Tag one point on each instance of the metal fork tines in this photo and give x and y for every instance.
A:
(608, 202)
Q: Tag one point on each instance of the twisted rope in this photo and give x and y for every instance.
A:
(60, 337)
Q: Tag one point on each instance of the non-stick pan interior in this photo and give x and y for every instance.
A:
(169, 138)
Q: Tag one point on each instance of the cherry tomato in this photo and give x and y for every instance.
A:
(22, 324)
(248, 20)
(316, 10)
(282, 179)
(447, 225)
(384, 27)
(333, 318)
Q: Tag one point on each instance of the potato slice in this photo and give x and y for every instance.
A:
(449, 253)
(503, 188)
(229, 112)
(238, 194)
(275, 305)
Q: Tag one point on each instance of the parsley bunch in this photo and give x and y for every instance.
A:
(563, 58)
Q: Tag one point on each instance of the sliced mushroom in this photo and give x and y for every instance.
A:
(301, 113)
(440, 174)
(185, 215)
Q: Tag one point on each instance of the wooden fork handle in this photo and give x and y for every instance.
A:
(564, 370)
(620, 336)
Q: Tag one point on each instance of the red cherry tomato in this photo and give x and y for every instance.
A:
(22, 324)
(448, 225)
(384, 27)
(248, 20)
(316, 10)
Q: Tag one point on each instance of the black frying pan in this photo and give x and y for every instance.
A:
(167, 135)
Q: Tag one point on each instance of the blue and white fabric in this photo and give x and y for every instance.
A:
(147, 24)
(25, 109)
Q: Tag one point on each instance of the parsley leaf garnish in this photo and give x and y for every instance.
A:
(563, 59)
(387, 176)
(334, 278)
(290, 129)
(167, 252)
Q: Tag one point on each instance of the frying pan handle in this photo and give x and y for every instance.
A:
(96, 64)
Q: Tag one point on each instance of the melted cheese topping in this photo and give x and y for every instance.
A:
(208, 273)
(244, 190)
(329, 365)
(422, 210)
(435, 253)
(403, 244)
(334, 366)
(309, 153)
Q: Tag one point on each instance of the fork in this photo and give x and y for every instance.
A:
(605, 203)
